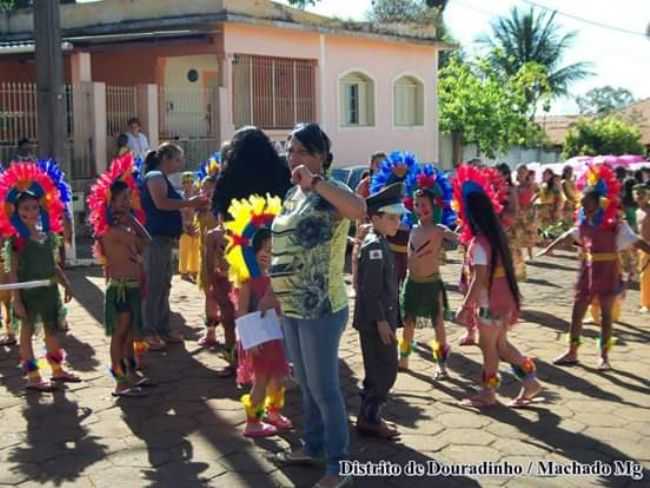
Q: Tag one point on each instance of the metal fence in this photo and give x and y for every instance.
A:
(121, 105)
(187, 113)
(273, 93)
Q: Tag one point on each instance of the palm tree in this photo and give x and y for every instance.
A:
(534, 37)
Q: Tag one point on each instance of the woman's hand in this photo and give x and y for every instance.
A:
(302, 177)
(386, 333)
(67, 297)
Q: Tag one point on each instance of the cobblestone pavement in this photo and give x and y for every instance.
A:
(187, 432)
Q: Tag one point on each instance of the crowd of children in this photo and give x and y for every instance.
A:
(414, 215)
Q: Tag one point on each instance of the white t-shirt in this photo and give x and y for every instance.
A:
(625, 236)
(138, 144)
(478, 257)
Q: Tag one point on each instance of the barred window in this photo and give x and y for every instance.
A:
(273, 93)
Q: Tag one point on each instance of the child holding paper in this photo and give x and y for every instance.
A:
(31, 215)
(264, 365)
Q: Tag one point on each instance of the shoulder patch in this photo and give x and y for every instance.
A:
(376, 254)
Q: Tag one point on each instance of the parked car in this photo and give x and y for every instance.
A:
(350, 175)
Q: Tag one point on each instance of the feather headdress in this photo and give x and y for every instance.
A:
(398, 167)
(601, 179)
(470, 179)
(431, 180)
(99, 199)
(249, 216)
(208, 168)
(29, 178)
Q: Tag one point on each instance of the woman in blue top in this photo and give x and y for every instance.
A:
(162, 205)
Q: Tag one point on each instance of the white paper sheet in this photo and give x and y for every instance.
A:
(25, 285)
(253, 329)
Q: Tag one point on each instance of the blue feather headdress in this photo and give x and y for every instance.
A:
(56, 174)
(211, 167)
(398, 167)
(435, 182)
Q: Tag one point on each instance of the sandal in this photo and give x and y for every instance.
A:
(564, 361)
(42, 386)
(133, 392)
(66, 377)
(8, 340)
(467, 341)
(297, 458)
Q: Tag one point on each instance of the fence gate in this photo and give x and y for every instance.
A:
(121, 105)
(190, 118)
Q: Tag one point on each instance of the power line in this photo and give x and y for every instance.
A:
(586, 21)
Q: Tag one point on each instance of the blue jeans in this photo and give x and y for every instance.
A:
(313, 347)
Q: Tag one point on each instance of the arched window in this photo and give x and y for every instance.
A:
(408, 102)
(357, 106)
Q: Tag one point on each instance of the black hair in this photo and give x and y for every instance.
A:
(315, 141)
(483, 220)
(24, 196)
(133, 120)
(550, 184)
(117, 188)
(23, 141)
(209, 179)
(259, 238)
(565, 172)
(638, 175)
(621, 173)
(505, 170)
(627, 191)
(122, 140)
(253, 168)
(166, 150)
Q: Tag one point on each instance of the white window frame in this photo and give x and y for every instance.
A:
(418, 117)
(367, 99)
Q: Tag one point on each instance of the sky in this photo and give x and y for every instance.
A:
(619, 59)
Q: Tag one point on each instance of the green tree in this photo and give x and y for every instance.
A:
(6, 5)
(406, 11)
(480, 105)
(602, 100)
(303, 3)
(604, 135)
(534, 37)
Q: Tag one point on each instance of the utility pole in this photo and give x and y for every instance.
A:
(49, 80)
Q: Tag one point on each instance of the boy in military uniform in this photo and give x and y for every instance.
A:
(376, 313)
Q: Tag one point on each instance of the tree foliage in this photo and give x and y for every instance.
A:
(303, 3)
(487, 108)
(6, 5)
(534, 37)
(604, 135)
(424, 12)
(602, 100)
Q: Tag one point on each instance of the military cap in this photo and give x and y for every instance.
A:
(388, 200)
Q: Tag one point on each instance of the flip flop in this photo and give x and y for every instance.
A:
(476, 403)
(8, 341)
(42, 386)
(466, 341)
(129, 393)
(145, 383)
(66, 378)
(523, 402)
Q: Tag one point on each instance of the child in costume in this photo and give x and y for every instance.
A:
(376, 310)
(265, 365)
(30, 218)
(549, 202)
(642, 197)
(188, 245)
(205, 222)
(526, 220)
(492, 301)
(602, 235)
(423, 294)
(570, 194)
(116, 216)
(397, 167)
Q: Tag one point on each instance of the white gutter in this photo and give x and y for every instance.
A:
(29, 48)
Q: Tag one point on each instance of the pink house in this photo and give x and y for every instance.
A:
(195, 71)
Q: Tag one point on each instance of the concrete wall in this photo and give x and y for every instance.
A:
(383, 61)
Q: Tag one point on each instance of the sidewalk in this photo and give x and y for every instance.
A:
(188, 431)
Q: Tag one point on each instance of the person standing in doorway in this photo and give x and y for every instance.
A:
(137, 141)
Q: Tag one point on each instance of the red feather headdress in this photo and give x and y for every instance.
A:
(601, 178)
(29, 178)
(470, 179)
(99, 199)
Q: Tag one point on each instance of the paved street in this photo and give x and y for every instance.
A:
(187, 433)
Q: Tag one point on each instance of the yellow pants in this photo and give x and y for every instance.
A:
(644, 278)
(616, 310)
(188, 254)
